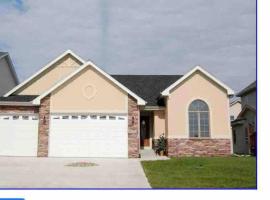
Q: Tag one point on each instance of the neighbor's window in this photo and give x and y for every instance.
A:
(198, 113)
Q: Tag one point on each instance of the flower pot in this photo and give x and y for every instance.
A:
(161, 153)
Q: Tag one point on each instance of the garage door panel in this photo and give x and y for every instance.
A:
(18, 135)
(88, 136)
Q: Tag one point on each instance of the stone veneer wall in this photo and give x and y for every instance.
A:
(133, 128)
(43, 128)
(198, 147)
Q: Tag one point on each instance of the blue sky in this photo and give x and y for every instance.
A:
(136, 36)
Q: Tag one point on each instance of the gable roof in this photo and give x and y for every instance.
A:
(148, 87)
(246, 108)
(248, 89)
(11, 66)
(68, 52)
(166, 92)
(140, 101)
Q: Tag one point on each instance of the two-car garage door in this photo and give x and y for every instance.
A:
(88, 136)
(69, 136)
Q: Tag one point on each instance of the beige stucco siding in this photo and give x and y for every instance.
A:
(51, 76)
(159, 123)
(198, 86)
(89, 92)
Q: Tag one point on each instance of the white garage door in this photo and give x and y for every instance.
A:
(88, 136)
(18, 135)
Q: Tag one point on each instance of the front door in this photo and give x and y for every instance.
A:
(145, 131)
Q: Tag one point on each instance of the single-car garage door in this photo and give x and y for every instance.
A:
(18, 135)
(88, 136)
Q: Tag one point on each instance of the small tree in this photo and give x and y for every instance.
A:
(161, 144)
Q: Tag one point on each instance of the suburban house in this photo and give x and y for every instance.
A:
(235, 109)
(72, 108)
(8, 77)
(245, 126)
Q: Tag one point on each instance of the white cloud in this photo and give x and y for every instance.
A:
(146, 36)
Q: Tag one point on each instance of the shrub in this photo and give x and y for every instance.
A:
(161, 144)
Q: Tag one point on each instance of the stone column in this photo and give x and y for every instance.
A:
(43, 128)
(133, 128)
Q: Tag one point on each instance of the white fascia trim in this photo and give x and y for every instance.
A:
(43, 69)
(166, 92)
(15, 103)
(140, 101)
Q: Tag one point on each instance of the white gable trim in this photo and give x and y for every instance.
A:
(166, 92)
(140, 101)
(43, 69)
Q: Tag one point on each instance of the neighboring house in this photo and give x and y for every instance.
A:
(72, 108)
(8, 77)
(235, 109)
(244, 127)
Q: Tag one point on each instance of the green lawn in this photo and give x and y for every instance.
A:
(194, 172)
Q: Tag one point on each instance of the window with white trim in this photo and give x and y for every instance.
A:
(198, 114)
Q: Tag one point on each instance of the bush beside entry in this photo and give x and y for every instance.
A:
(161, 145)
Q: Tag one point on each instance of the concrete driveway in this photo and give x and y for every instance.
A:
(28, 172)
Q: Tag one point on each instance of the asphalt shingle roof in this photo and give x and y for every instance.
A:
(2, 53)
(148, 87)
(249, 88)
(19, 98)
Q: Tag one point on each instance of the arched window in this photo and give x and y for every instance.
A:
(198, 114)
